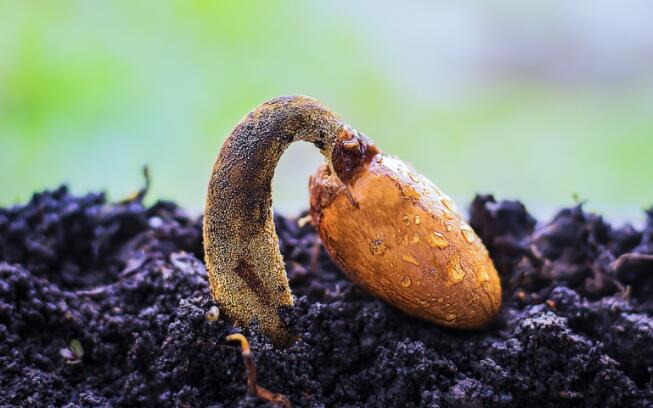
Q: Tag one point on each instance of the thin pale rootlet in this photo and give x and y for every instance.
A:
(105, 304)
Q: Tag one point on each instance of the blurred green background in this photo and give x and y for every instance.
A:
(542, 102)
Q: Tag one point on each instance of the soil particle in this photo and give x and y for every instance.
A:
(105, 304)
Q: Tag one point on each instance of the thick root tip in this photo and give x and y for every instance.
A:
(244, 344)
(252, 387)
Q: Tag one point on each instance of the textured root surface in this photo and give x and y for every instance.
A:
(126, 284)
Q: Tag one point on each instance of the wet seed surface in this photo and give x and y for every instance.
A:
(107, 304)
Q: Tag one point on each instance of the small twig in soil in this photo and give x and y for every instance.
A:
(252, 388)
(315, 254)
(140, 194)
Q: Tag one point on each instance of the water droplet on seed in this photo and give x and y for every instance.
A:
(456, 271)
(406, 281)
(448, 214)
(406, 219)
(448, 227)
(468, 233)
(483, 276)
(446, 201)
(410, 192)
(411, 259)
(440, 300)
(451, 317)
(438, 240)
(418, 220)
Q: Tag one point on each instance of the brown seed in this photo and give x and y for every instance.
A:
(350, 213)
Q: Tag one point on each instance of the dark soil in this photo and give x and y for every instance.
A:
(105, 304)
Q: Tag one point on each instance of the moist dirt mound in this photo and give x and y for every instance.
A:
(105, 304)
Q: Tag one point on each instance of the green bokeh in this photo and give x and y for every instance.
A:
(90, 91)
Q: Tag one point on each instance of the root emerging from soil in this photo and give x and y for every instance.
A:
(252, 387)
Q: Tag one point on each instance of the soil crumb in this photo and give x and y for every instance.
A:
(107, 304)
